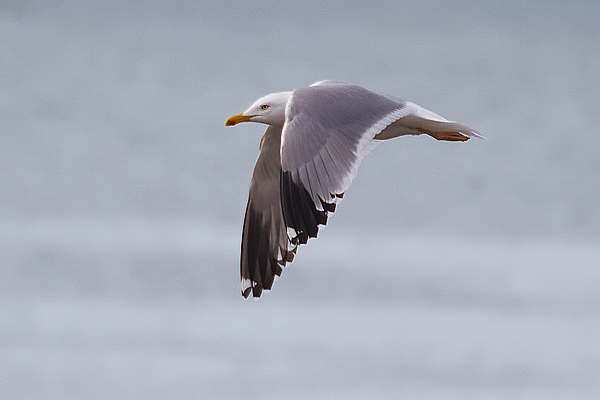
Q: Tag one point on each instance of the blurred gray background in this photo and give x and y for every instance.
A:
(449, 271)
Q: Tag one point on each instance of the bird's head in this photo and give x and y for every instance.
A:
(268, 110)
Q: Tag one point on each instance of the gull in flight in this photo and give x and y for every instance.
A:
(309, 155)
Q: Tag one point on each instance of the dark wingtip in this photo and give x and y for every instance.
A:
(256, 292)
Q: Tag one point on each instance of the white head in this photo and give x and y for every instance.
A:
(266, 110)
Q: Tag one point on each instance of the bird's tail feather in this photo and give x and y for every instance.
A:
(441, 130)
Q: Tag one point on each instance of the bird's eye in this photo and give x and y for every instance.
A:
(264, 107)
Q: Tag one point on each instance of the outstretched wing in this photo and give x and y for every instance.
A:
(329, 127)
(265, 247)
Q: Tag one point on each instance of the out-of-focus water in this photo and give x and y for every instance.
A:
(449, 270)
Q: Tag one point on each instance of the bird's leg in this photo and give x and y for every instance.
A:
(451, 136)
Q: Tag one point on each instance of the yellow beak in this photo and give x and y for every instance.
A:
(236, 119)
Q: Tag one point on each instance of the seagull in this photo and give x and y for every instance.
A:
(308, 156)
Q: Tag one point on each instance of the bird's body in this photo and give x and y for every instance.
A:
(309, 155)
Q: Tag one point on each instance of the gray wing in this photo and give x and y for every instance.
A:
(265, 246)
(329, 128)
